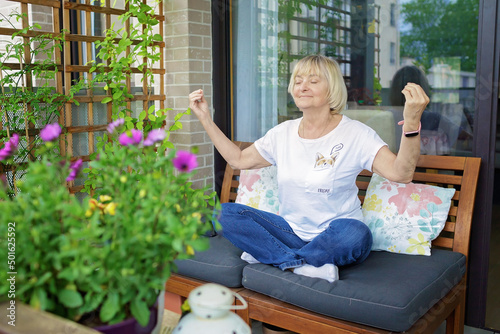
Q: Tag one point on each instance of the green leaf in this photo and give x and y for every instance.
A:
(106, 100)
(70, 298)
(140, 311)
(142, 115)
(117, 95)
(39, 299)
(110, 307)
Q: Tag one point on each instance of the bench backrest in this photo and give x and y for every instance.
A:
(460, 173)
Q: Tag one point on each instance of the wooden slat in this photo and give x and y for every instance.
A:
(48, 3)
(449, 227)
(86, 128)
(103, 10)
(85, 68)
(441, 162)
(275, 312)
(30, 33)
(437, 178)
(443, 242)
(453, 211)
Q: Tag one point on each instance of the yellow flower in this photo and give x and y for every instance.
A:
(189, 250)
(110, 208)
(105, 198)
(177, 207)
(93, 204)
(415, 197)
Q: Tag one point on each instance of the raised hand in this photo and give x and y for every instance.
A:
(416, 102)
(199, 105)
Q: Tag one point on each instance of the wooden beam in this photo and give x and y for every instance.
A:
(49, 3)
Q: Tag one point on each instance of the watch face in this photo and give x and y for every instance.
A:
(412, 134)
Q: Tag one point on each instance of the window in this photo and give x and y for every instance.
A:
(392, 56)
(269, 36)
(393, 14)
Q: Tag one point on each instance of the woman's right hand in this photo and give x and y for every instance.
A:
(199, 105)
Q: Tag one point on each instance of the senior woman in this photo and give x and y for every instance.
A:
(318, 157)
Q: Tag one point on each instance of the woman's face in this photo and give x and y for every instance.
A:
(310, 92)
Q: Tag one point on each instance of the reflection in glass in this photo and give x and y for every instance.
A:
(380, 45)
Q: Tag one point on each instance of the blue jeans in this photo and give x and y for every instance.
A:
(270, 240)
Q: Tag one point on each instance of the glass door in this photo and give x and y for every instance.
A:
(380, 44)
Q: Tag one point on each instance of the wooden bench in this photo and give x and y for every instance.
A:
(460, 173)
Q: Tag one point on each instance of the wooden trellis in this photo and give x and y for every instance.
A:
(83, 123)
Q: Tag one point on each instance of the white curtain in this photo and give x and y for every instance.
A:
(255, 67)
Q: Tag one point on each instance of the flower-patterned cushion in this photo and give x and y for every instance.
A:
(405, 218)
(258, 188)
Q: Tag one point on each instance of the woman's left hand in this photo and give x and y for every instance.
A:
(416, 102)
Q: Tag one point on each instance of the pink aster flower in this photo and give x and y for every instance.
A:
(185, 161)
(74, 168)
(132, 137)
(50, 132)
(10, 147)
(155, 136)
(113, 125)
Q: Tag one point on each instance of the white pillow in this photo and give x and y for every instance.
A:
(258, 188)
(405, 218)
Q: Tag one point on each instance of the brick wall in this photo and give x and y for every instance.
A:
(188, 58)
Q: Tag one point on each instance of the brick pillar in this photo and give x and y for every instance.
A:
(188, 58)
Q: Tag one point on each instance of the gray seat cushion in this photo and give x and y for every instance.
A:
(389, 291)
(221, 263)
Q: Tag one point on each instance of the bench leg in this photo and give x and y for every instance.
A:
(455, 322)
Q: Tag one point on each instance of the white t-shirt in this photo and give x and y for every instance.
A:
(317, 177)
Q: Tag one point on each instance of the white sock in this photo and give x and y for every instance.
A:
(248, 258)
(328, 271)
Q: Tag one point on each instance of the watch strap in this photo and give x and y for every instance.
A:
(411, 133)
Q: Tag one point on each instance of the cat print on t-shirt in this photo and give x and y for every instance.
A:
(320, 178)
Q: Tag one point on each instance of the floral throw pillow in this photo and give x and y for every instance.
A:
(405, 218)
(259, 189)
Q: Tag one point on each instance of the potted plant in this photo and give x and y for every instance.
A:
(106, 258)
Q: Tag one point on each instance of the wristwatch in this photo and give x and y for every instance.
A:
(411, 133)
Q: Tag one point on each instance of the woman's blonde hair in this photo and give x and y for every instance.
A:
(328, 69)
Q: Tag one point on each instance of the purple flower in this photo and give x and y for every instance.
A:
(185, 161)
(127, 140)
(155, 136)
(74, 168)
(113, 125)
(10, 147)
(50, 132)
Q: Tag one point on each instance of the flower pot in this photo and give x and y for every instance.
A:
(270, 329)
(131, 326)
